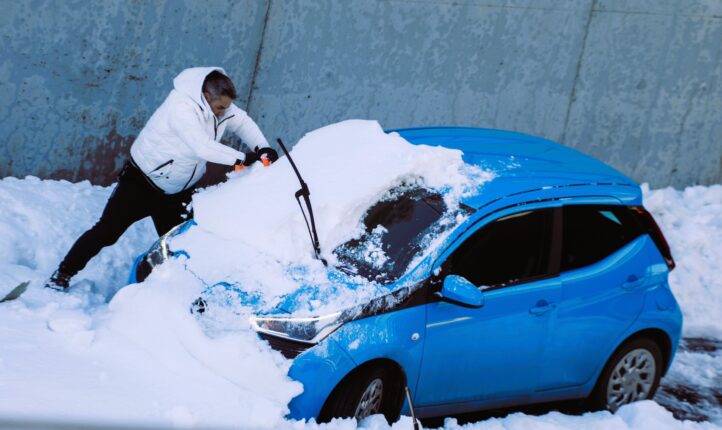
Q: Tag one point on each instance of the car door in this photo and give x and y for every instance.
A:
(606, 266)
(491, 353)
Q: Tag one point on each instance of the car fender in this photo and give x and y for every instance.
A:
(397, 336)
(319, 370)
(668, 321)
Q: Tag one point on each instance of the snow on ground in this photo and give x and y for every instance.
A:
(140, 357)
(692, 223)
(39, 220)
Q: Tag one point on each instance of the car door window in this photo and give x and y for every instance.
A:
(592, 232)
(513, 249)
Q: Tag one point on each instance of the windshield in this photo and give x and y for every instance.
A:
(395, 230)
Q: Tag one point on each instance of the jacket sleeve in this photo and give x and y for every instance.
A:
(245, 128)
(186, 125)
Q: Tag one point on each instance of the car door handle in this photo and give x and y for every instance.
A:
(632, 283)
(541, 308)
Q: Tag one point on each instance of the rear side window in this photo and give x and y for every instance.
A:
(593, 232)
(510, 250)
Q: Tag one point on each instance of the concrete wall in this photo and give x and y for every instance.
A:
(636, 83)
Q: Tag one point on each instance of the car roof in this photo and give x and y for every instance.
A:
(523, 163)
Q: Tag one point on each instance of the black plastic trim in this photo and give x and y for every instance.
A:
(289, 348)
(442, 298)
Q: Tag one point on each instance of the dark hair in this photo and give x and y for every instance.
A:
(218, 84)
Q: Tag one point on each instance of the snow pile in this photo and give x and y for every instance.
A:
(40, 220)
(142, 358)
(691, 220)
(348, 166)
(251, 232)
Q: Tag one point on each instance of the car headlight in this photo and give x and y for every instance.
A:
(307, 330)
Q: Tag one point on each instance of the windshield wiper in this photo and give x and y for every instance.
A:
(305, 193)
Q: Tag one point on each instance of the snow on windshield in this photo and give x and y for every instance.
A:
(348, 167)
(251, 233)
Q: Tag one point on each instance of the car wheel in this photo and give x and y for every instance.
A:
(366, 393)
(632, 374)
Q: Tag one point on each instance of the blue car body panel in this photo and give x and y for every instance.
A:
(482, 355)
(527, 162)
(388, 337)
(319, 369)
(597, 308)
(519, 346)
(132, 277)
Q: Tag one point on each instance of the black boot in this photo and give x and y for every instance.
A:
(59, 281)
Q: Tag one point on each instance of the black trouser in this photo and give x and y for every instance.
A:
(133, 199)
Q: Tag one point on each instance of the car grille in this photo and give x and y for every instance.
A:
(287, 347)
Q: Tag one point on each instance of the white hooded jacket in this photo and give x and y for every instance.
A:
(183, 134)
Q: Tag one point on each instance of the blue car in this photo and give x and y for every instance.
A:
(554, 287)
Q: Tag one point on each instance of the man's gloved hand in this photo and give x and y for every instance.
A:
(268, 153)
(251, 157)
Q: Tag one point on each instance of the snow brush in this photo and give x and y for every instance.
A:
(305, 193)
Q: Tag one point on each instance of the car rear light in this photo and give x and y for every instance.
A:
(649, 225)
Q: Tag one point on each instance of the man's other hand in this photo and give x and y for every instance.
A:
(251, 157)
(268, 153)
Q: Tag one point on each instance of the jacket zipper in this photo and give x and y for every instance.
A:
(162, 165)
(189, 179)
(216, 124)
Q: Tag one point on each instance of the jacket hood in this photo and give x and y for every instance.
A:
(190, 82)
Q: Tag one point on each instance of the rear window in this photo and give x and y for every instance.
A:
(395, 230)
(594, 232)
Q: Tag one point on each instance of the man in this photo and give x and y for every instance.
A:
(167, 159)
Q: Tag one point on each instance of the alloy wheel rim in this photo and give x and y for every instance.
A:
(631, 379)
(370, 402)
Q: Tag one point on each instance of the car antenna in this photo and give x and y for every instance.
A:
(305, 193)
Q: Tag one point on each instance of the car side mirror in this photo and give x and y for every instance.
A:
(459, 291)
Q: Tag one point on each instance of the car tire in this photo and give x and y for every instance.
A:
(369, 391)
(631, 374)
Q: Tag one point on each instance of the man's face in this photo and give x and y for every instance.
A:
(219, 105)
